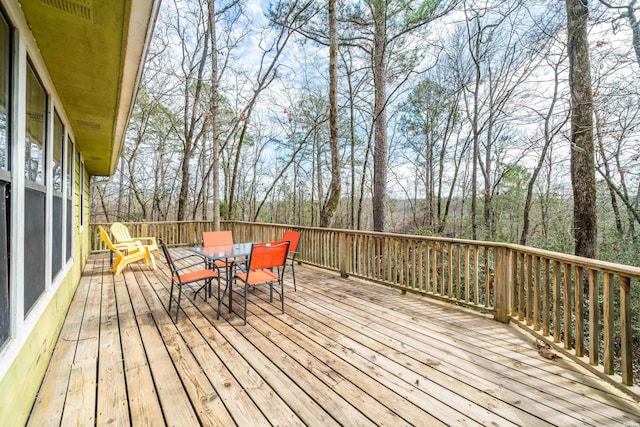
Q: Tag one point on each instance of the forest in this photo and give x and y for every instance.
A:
(434, 117)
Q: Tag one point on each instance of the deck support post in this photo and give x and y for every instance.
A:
(502, 284)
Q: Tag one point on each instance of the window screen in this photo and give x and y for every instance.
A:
(69, 187)
(5, 81)
(34, 197)
(58, 220)
(58, 143)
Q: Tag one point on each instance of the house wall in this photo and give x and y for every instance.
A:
(25, 355)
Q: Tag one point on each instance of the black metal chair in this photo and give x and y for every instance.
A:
(293, 237)
(180, 279)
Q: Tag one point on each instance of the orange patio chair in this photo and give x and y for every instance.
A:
(264, 258)
(218, 238)
(293, 237)
(132, 254)
(180, 279)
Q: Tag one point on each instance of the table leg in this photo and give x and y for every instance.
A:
(230, 280)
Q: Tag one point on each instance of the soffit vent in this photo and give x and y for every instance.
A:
(82, 9)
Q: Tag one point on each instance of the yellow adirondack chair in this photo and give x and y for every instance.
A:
(133, 253)
(122, 236)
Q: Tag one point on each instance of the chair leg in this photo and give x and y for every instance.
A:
(293, 273)
(245, 303)
(152, 259)
(221, 298)
(282, 293)
(171, 296)
(178, 304)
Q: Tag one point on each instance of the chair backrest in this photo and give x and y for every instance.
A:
(293, 237)
(217, 238)
(120, 232)
(105, 238)
(167, 255)
(268, 255)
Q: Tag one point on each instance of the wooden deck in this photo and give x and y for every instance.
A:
(346, 352)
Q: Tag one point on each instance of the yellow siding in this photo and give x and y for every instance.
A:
(19, 387)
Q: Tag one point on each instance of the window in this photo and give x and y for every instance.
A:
(5, 179)
(35, 192)
(35, 129)
(5, 82)
(69, 191)
(58, 220)
(58, 143)
(81, 190)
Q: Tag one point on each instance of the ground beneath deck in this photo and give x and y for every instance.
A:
(346, 352)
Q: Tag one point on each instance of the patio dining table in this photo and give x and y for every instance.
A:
(225, 252)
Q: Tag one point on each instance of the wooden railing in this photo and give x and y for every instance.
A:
(582, 307)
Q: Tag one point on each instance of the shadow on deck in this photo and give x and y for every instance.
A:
(346, 352)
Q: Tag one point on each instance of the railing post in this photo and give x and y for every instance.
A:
(502, 284)
(343, 254)
(145, 229)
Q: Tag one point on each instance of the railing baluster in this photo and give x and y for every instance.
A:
(567, 306)
(450, 268)
(434, 267)
(594, 318)
(419, 267)
(514, 284)
(557, 278)
(476, 274)
(486, 276)
(443, 276)
(536, 293)
(607, 320)
(458, 270)
(467, 281)
(529, 289)
(521, 288)
(546, 297)
(625, 331)
(579, 310)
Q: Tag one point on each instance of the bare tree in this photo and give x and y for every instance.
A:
(328, 209)
(582, 147)
(628, 12)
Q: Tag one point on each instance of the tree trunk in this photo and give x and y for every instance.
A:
(331, 205)
(582, 148)
(213, 117)
(120, 189)
(380, 116)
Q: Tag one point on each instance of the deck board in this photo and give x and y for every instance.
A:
(346, 352)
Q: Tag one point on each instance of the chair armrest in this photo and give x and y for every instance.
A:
(188, 266)
(150, 239)
(188, 256)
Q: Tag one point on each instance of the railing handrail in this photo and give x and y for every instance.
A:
(605, 266)
(610, 267)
